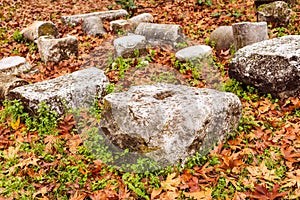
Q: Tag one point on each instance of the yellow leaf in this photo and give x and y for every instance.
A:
(15, 125)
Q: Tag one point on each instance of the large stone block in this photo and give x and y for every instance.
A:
(55, 50)
(193, 53)
(76, 90)
(161, 33)
(38, 29)
(111, 14)
(130, 24)
(93, 26)
(246, 33)
(277, 13)
(167, 122)
(272, 66)
(14, 65)
(8, 83)
(125, 46)
(222, 37)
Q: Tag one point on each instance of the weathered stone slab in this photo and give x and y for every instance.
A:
(14, 65)
(111, 14)
(144, 17)
(246, 33)
(272, 66)
(38, 29)
(164, 119)
(55, 50)
(93, 26)
(76, 90)
(161, 33)
(260, 2)
(193, 53)
(222, 37)
(130, 24)
(9, 82)
(125, 46)
(278, 13)
(119, 25)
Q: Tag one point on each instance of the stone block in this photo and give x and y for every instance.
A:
(246, 33)
(55, 50)
(74, 91)
(14, 65)
(111, 14)
(125, 46)
(38, 29)
(8, 83)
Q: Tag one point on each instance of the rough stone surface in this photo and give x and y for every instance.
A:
(130, 24)
(272, 66)
(125, 46)
(193, 53)
(38, 29)
(9, 82)
(169, 122)
(55, 50)
(246, 33)
(261, 2)
(111, 14)
(278, 13)
(14, 65)
(119, 25)
(144, 17)
(76, 90)
(222, 37)
(93, 26)
(160, 33)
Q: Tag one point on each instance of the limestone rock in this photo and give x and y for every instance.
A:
(130, 24)
(9, 82)
(93, 26)
(76, 90)
(38, 29)
(261, 2)
(193, 53)
(222, 37)
(246, 33)
(125, 46)
(278, 13)
(272, 66)
(111, 14)
(168, 122)
(55, 50)
(161, 33)
(144, 17)
(119, 25)
(14, 65)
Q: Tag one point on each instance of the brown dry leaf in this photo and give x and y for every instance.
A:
(155, 193)
(73, 143)
(262, 172)
(204, 195)
(171, 183)
(295, 194)
(11, 152)
(78, 196)
(293, 178)
(41, 191)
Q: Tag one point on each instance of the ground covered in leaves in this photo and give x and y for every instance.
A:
(44, 158)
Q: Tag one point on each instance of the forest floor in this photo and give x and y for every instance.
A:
(44, 157)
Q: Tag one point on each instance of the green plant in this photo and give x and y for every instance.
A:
(206, 2)
(44, 122)
(18, 37)
(128, 5)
